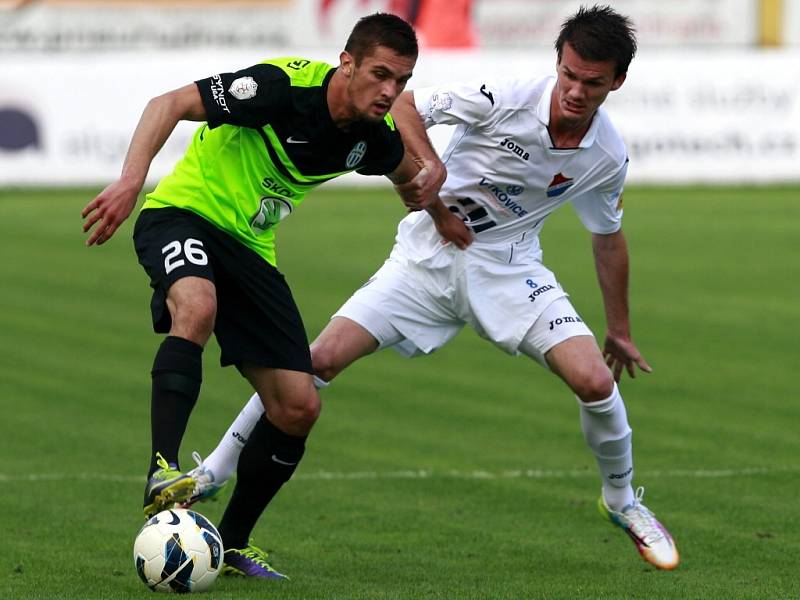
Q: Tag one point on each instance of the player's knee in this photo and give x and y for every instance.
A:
(302, 411)
(593, 384)
(324, 361)
(195, 317)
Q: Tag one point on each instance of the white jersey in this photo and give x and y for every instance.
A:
(504, 177)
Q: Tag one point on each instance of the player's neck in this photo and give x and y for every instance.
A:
(566, 133)
(338, 106)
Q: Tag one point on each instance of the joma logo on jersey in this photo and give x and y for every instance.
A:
(516, 149)
(539, 291)
(356, 154)
(504, 196)
(559, 185)
(273, 186)
(562, 320)
(218, 92)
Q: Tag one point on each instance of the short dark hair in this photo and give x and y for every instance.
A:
(381, 29)
(599, 33)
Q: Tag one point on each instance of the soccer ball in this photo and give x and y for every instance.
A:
(178, 550)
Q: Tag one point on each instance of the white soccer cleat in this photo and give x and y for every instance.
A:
(651, 538)
(205, 486)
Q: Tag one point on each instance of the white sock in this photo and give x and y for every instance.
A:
(606, 430)
(223, 460)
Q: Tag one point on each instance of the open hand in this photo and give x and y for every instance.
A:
(621, 352)
(108, 211)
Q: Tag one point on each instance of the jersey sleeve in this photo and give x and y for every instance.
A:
(600, 209)
(247, 98)
(385, 152)
(475, 104)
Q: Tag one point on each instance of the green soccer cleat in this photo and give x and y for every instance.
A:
(650, 537)
(166, 487)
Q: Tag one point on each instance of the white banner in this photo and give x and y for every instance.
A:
(685, 116)
(519, 23)
(290, 23)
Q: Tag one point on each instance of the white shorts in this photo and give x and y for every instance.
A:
(418, 309)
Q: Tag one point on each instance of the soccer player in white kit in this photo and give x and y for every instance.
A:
(521, 149)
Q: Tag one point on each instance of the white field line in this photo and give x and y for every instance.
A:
(437, 474)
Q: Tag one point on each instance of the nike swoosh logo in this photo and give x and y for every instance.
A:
(291, 140)
(175, 519)
(283, 462)
(487, 93)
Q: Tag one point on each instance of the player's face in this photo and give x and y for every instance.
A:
(376, 83)
(582, 85)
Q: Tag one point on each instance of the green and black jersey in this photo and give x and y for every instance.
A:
(269, 140)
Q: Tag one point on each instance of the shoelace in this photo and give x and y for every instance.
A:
(203, 476)
(163, 464)
(642, 520)
(199, 460)
(257, 555)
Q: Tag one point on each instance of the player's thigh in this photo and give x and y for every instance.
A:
(192, 304)
(579, 363)
(174, 245)
(343, 341)
(561, 341)
(575, 358)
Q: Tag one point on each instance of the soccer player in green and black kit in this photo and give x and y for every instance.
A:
(206, 238)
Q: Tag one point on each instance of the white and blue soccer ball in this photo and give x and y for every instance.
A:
(179, 551)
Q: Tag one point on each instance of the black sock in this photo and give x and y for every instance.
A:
(177, 373)
(267, 461)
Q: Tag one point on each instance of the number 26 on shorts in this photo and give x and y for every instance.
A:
(175, 252)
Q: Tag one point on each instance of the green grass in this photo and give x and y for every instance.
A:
(715, 287)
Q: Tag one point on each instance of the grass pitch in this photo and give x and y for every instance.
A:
(459, 475)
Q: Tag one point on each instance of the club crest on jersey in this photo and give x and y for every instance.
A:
(441, 101)
(271, 211)
(356, 154)
(243, 88)
(559, 185)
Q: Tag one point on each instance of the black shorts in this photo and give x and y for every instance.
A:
(257, 319)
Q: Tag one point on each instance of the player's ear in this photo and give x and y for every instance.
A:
(618, 82)
(346, 63)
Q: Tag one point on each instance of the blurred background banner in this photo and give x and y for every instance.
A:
(59, 25)
(713, 95)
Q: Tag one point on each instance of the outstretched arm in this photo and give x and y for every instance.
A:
(114, 204)
(611, 263)
(421, 174)
(418, 194)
